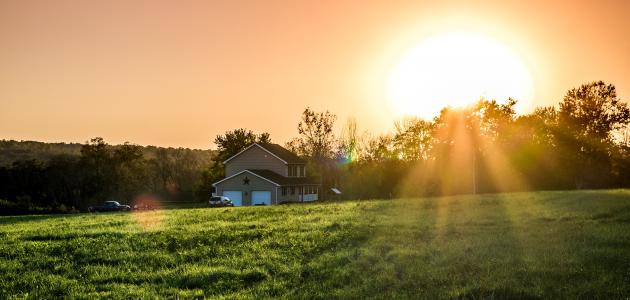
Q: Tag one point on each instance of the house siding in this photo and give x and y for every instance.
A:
(255, 158)
(255, 184)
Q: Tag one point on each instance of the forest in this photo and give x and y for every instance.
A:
(57, 177)
(581, 143)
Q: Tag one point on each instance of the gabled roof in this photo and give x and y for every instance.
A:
(283, 153)
(274, 178)
(276, 150)
(241, 172)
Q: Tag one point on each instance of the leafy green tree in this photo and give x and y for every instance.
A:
(131, 175)
(316, 143)
(186, 172)
(64, 181)
(316, 138)
(533, 149)
(98, 170)
(587, 118)
(380, 148)
(494, 119)
(593, 111)
(413, 139)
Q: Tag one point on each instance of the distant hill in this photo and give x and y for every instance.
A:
(11, 150)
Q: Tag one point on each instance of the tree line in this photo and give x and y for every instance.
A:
(583, 142)
(76, 176)
(486, 147)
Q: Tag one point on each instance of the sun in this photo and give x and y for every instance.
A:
(456, 69)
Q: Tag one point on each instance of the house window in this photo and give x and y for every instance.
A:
(284, 191)
(293, 171)
(311, 190)
(301, 171)
(292, 190)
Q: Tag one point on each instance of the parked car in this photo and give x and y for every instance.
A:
(109, 206)
(220, 201)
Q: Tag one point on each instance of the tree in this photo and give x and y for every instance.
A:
(593, 111)
(533, 149)
(316, 138)
(456, 150)
(413, 138)
(64, 181)
(348, 147)
(494, 119)
(232, 142)
(471, 147)
(130, 167)
(587, 118)
(316, 143)
(98, 170)
(380, 148)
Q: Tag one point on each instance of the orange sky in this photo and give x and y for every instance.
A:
(176, 73)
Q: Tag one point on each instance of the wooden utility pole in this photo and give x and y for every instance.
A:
(474, 171)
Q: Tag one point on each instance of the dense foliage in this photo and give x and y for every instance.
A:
(544, 245)
(72, 181)
(485, 147)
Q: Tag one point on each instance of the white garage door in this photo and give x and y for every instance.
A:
(260, 197)
(235, 196)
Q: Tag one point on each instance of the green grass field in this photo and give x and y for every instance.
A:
(522, 245)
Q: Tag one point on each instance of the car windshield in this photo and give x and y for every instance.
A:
(112, 203)
(215, 199)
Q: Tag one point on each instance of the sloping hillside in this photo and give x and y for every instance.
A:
(11, 151)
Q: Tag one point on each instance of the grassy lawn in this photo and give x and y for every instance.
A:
(522, 245)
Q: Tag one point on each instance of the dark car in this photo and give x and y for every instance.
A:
(109, 206)
(220, 201)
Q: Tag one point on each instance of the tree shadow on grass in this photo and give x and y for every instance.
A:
(432, 248)
(481, 255)
(591, 232)
(377, 261)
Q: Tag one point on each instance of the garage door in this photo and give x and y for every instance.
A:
(261, 197)
(235, 196)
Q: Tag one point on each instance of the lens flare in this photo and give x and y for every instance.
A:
(347, 159)
(147, 212)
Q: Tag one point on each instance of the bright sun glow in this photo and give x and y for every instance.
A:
(456, 69)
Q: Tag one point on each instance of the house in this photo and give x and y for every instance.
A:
(266, 174)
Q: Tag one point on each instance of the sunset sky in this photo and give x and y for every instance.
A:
(176, 73)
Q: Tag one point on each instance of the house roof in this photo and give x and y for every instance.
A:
(276, 150)
(283, 153)
(244, 171)
(281, 180)
(275, 178)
